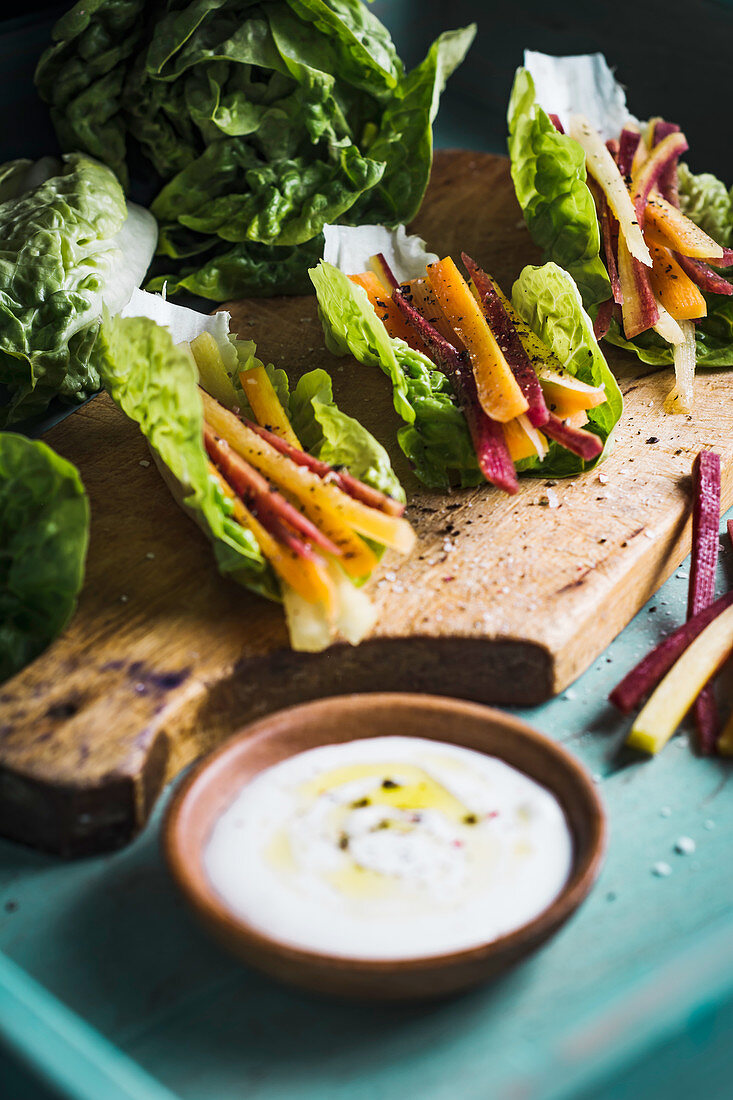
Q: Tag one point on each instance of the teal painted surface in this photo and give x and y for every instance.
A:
(633, 999)
(646, 965)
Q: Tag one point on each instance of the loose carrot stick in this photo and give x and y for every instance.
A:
(644, 676)
(705, 542)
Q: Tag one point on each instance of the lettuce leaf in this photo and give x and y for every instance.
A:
(44, 532)
(549, 301)
(708, 202)
(549, 174)
(332, 436)
(155, 383)
(435, 437)
(261, 122)
(70, 245)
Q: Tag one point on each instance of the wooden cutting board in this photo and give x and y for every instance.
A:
(504, 600)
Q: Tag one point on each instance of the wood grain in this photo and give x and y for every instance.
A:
(504, 599)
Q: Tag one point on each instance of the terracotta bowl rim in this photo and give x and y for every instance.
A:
(216, 914)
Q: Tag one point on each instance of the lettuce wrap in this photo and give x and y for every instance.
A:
(260, 123)
(44, 532)
(71, 246)
(549, 173)
(435, 437)
(151, 375)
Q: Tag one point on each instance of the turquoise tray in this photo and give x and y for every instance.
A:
(109, 990)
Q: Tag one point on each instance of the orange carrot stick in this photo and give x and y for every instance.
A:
(498, 390)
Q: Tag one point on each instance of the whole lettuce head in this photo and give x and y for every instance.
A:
(262, 122)
(44, 531)
(69, 245)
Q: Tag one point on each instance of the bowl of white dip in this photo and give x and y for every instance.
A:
(386, 846)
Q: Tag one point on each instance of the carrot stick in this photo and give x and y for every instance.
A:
(345, 481)
(673, 288)
(668, 225)
(609, 237)
(705, 541)
(498, 390)
(665, 153)
(703, 275)
(270, 506)
(516, 356)
(627, 145)
(265, 403)
(380, 263)
(487, 437)
(339, 516)
(602, 319)
(644, 676)
(640, 307)
(668, 179)
(308, 576)
(586, 445)
(421, 295)
(385, 310)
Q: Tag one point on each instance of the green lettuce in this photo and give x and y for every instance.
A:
(549, 174)
(69, 245)
(332, 436)
(262, 122)
(549, 301)
(435, 436)
(44, 532)
(708, 202)
(154, 381)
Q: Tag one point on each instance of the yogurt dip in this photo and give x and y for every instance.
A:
(389, 848)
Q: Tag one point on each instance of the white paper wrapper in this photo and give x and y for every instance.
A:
(182, 323)
(351, 247)
(583, 85)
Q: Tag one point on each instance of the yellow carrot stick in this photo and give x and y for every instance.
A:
(309, 578)
(674, 696)
(523, 440)
(333, 511)
(725, 741)
(266, 405)
(498, 390)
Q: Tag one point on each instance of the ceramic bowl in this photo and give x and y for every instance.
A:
(213, 785)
